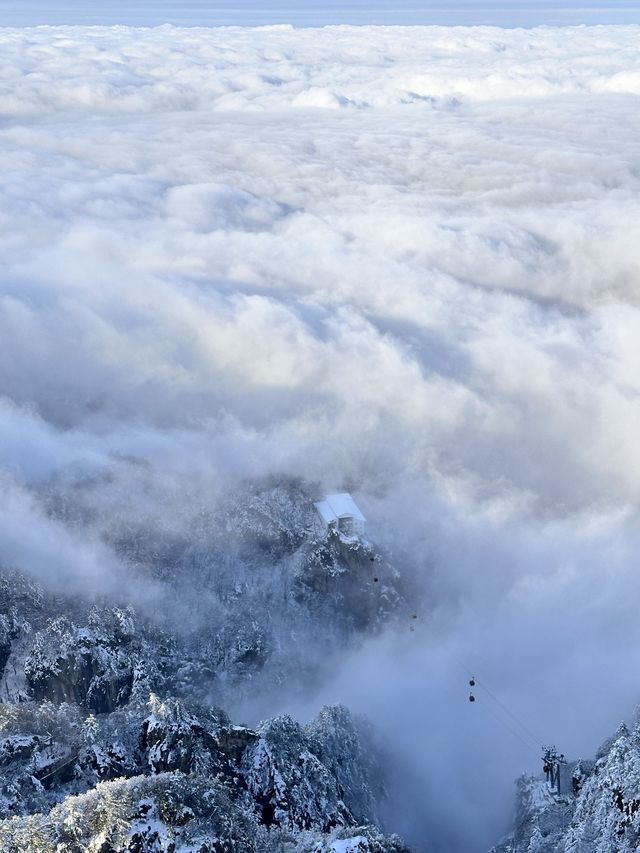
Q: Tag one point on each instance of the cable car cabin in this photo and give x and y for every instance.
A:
(339, 512)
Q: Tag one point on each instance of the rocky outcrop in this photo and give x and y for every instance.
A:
(5, 642)
(91, 677)
(18, 748)
(349, 579)
(11, 626)
(84, 666)
(201, 741)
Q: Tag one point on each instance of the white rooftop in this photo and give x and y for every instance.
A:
(325, 511)
(340, 505)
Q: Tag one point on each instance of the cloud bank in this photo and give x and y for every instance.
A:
(400, 259)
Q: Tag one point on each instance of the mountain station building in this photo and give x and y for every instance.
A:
(341, 513)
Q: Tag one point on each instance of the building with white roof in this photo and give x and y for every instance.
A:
(341, 513)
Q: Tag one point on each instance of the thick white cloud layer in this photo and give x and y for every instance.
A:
(165, 68)
(402, 260)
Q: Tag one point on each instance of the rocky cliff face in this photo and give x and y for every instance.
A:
(89, 667)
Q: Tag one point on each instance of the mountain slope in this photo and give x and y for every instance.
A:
(598, 812)
(111, 740)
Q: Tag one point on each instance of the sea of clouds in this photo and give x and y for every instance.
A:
(401, 260)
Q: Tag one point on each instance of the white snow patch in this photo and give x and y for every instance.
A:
(350, 845)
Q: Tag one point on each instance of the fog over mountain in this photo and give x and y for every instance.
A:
(401, 262)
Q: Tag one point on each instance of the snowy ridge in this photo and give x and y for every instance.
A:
(598, 812)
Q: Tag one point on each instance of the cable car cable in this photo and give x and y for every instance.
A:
(526, 731)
